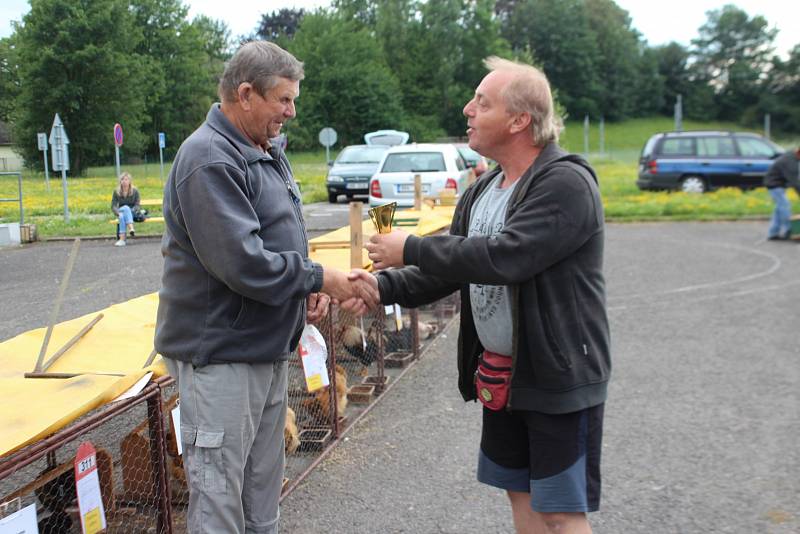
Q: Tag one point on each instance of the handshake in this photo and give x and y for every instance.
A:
(356, 292)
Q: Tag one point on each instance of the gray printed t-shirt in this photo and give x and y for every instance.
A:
(491, 305)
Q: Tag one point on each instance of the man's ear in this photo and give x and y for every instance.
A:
(521, 122)
(245, 93)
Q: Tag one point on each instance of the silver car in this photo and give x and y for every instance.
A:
(440, 166)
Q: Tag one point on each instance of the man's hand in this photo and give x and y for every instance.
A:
(316, 307)
(359, 294)
(386, 250)
(368, 284)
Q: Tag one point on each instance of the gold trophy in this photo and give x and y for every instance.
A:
(382, 217)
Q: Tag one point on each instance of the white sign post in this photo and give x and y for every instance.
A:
(41, 138)
(59, 142)
(162, 142)
(117, 144)
(327, 138)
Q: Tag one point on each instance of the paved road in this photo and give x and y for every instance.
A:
(702, 423)
(30, 275)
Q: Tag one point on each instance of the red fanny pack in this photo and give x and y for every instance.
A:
(493, 380)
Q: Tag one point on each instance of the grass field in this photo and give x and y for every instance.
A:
(90, 196)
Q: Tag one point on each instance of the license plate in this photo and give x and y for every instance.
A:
(357, 185)
(409, 188)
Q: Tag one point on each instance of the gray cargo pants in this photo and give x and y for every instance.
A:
(232, 419)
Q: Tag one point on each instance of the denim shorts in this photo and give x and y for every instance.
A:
(554, 457)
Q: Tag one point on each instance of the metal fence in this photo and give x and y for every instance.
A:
(141, 477)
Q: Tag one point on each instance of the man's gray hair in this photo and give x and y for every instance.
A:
(529, 92)
(260, 63)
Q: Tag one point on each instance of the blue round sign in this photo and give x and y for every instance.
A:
(118, 134)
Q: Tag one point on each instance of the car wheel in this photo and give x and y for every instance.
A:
(693, 184)
(333, 198)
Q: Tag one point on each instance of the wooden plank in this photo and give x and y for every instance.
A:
(356, 234)
(57, 306)
(328, 244)
(71, 342)
(150, 358)
(147, 220)
(68, 375)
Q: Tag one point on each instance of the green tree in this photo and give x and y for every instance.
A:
(347, 86)
(183, 64)
(282, 23)
(732, 54)
(672, 60)
(558, 34)
(622, 85)
(80, 59)
(9, 80)
(781, 98)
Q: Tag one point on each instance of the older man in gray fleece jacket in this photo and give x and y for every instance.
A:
(237, 290)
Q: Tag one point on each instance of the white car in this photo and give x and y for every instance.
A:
(440, 166)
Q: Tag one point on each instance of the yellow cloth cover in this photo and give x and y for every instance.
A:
(119, 344)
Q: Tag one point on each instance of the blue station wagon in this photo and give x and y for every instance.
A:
(698, 161)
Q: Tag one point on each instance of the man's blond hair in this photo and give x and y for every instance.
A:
(529, 92)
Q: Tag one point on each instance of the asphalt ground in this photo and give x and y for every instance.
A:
(702, 423)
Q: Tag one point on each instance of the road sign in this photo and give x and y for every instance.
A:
(59, 145)
(60, 152)
(162, 142)
(118, 134)
(327, 137)
(41, 138)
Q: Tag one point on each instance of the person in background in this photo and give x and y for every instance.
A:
(782, 173)
(125, 205)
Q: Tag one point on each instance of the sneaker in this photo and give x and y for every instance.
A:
(120, 243)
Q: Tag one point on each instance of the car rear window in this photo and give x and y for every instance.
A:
(414, 162)
(364, 154)
(648, 147)
(751, 147)
(678, 146)
(715, 146)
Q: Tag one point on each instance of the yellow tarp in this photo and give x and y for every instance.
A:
(119, 344)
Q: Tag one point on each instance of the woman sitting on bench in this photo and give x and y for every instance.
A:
(125, 205)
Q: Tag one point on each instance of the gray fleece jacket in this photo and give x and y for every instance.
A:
(236, 267)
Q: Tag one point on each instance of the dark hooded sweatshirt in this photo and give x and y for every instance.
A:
(550, 254)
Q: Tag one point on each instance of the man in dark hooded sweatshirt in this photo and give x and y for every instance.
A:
(525, 250)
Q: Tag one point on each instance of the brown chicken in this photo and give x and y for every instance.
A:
(319, 405)
(291, 437)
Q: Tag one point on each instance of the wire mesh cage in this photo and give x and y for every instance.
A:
(140, 471)
(128, 438)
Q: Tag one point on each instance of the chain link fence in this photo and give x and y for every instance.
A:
(141, 477)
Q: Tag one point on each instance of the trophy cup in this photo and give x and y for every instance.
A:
(382, 217)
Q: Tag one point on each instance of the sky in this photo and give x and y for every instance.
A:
(658, 22)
